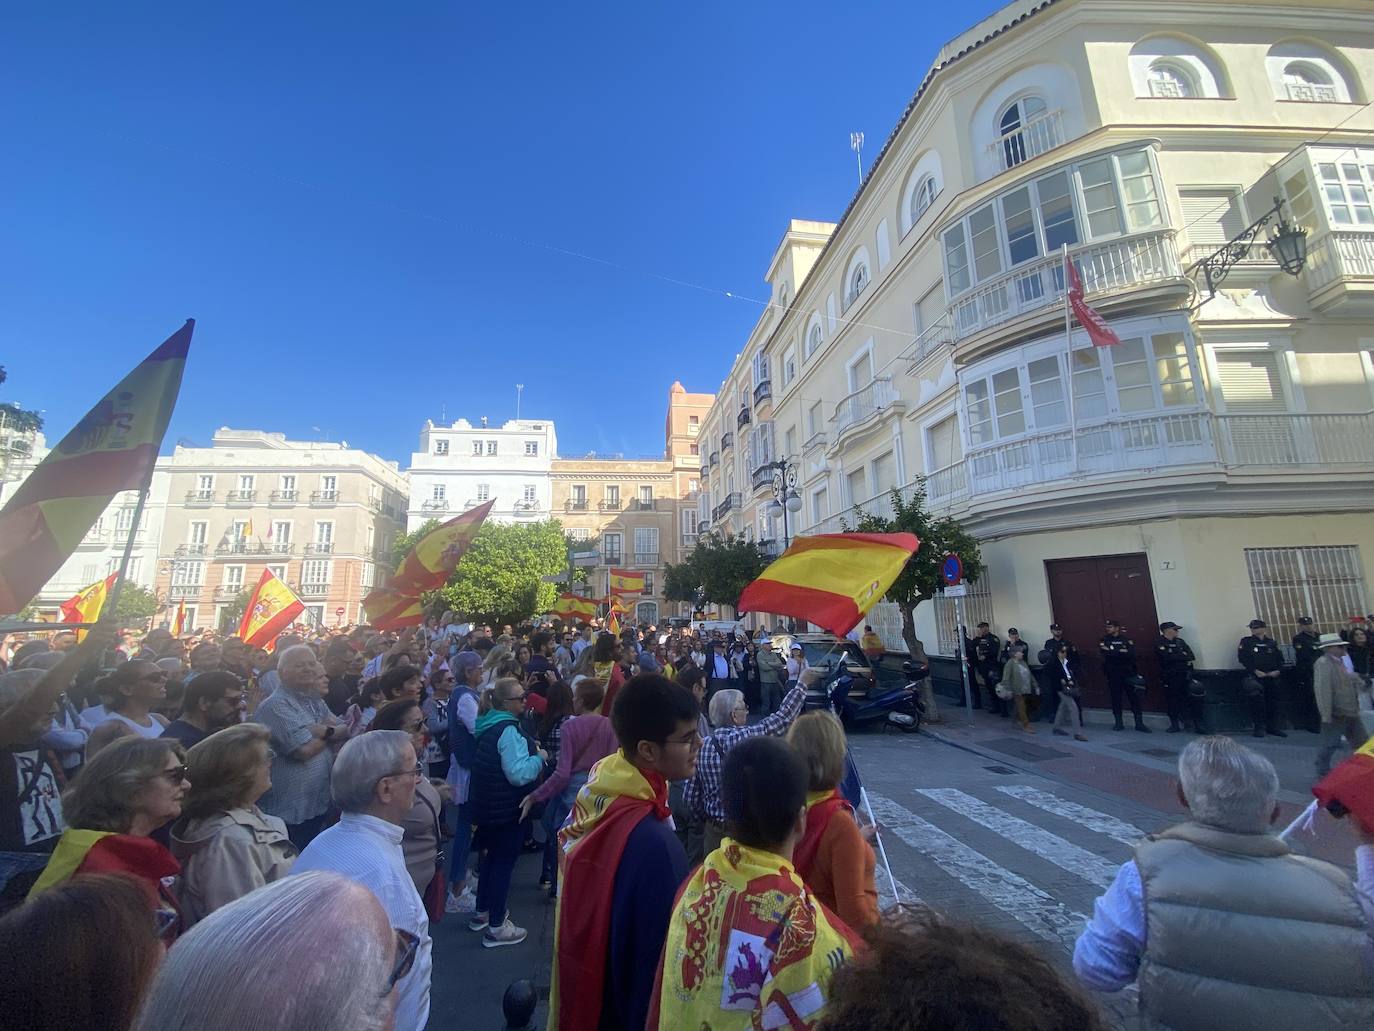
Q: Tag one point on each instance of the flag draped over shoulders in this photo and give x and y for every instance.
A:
(616, 797)
(749, 946)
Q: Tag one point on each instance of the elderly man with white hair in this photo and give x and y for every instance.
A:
(373, 783)
(305, 735)
(1222, 926)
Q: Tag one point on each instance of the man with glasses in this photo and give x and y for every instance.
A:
(374, 781)
(211, 702)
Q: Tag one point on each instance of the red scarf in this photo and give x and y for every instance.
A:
(818, 814)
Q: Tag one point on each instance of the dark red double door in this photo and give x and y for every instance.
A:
(1085, 593)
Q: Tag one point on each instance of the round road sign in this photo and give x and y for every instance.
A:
(952, 569)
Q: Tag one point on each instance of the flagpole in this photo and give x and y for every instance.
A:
(878, 840)
(1068, 343)
(143, 492)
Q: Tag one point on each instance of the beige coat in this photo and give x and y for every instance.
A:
(1335, 688)
(225, 856)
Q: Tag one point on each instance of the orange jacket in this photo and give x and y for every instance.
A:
(843, 874)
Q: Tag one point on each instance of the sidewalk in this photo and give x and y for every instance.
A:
(1141, 767)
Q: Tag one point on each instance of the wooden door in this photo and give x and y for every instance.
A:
(1085, 593)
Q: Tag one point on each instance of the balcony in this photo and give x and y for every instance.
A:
(183, 550)
(576, 505)
(610, 505)
(227, 592)
(727, 441)
(771, 548)
(763, 391)
(646, 558)
(184, 592)
(1040, 134)
(865, 405)
(744, 418)
(816, 440)
(434, 505)
(239, 498)
(703, 526)
(643, 505)
(324, 498)
(948, 483)
(1127, 264)
(762, 477)
(526, 508)
(200, 498)
(1340, 272)
(611, 556)
(283, 497)
(282, 549)
(225, 548)
(320, 548)
(731, 502)
(314, 590)
(715, 458)
(1288, 440)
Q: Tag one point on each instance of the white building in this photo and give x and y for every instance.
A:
(460, 466)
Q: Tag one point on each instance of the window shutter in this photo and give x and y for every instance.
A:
(1211, 216)
(945, 447)
(1250, 381)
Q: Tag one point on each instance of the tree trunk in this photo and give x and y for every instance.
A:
(917, 651)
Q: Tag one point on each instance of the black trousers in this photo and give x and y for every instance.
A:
(1264, 706)
(303, 833)
(1183, 707)
(1117, 688)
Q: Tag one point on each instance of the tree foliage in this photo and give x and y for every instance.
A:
(232, 614)
(135, 605)
(920, 579)
(721, 566)
(499, 579)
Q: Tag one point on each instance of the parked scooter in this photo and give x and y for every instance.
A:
(899, 707)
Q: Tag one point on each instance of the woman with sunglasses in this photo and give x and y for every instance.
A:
(129, 790)
(226, 845)
(135, 690)
(423, 826)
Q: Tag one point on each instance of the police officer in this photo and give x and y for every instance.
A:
(1305, 654)
(1013, 646)
(1118, 663)
(1259, 654)
(1050, 684)
(982, 652)
(1175, 669)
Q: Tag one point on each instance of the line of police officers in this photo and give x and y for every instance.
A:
(1258, 653)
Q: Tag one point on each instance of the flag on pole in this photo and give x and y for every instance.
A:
(615, 603)
(1101, 334)
(392, 609)
(179, 624)
(830, 579)
(613, 623)
(1349, 788)
(627, 581)
(85, 605)
(111, 449)
(437, 554)
(269, 611)
(571, 607)
(248, 530)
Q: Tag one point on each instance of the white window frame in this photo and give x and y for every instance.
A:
(857, 277)
(441, 447)
(232, 577)
(491, 448)
(476, 449)
(438, 492)
(815, 336)
(484, 492)
(789, 366)
(324, 531)
(530, 493)
(1169, 79)
(277, 569)
(531, 449)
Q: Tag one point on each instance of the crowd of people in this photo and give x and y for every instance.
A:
(234, 816)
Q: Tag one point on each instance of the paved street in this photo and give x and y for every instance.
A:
(1016, 832)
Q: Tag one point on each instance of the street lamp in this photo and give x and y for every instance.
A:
(1287, 245)
(785, 496)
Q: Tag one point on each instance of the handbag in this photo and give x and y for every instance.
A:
(436, 891)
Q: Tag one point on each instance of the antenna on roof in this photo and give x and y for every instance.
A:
(856, 144)
(519, 388)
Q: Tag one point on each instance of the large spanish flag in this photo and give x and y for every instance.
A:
(615, 603)
(627, 581)
(179, 626)
(435, 555)
(112, 448)
(572, 607)
(85, 606)
(830, 579)
(390, 609)
(1350, 787)
(269, 612)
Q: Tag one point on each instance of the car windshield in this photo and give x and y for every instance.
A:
(819, 653)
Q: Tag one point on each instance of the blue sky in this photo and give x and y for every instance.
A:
(365, 206)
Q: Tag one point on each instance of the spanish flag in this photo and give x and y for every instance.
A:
(627, 581)
(390, 609)
(269, 611)
(179, 625)
(1349, 788)
(613, 623)
(437, 554)
(615, 603)
(830, 579)
(571, 607)
(111, 449)
(85, 606)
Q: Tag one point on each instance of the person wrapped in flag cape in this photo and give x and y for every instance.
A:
(749, 945)
(620, 863)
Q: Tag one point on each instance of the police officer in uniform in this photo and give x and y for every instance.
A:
(1259, 654)
(1305, 654)
(1014, 644)
(982, 652)
(1175, 669)
(1118, 663)
(1050, 684)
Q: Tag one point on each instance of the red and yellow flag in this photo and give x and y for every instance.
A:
(627, 581)
(571, 607)
(435, 555)
(615, 603)
(613, 623)
(390, 609)
(111, 449)
(85, 605)
(269, 611)
(179, 624)
(1351, 786)
(830, 579)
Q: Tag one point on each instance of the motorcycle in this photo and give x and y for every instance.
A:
(897, 707)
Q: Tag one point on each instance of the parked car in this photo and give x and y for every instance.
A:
(833, 655)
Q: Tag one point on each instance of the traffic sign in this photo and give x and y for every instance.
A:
(952, 569)
(339, 611)
(956, 591)
(589, 559)
(556, 578)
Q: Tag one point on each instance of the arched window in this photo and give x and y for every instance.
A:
(1169, 79)
(858, 279)
(647, 612)
(1303, 80)
(813, 338)
(1310, 73)
(1018, 135)
(922, 198)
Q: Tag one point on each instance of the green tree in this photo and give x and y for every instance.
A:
(232, 614)
(722, 566)
(135, 605)
(920, 578)
(681, 579)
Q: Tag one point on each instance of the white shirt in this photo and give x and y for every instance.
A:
(367, 850)
(578, 646)
(155, 730)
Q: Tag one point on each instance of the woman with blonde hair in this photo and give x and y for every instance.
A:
(226, 845)
(832, 857)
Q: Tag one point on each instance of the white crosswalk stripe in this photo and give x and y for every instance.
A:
(1091, 819)
(1013, 894)
(1050, 847)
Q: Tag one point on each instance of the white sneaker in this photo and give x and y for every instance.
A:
(506, 934)
(479, 922)
(464, 902)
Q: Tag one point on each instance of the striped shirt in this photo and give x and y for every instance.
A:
(367, 849)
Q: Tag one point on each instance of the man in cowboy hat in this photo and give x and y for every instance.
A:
(1337, 694)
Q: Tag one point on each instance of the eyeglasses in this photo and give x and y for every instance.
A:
(177, 774)
(740, 708)
(418, 770)
(516, 698)
(692, 740)
(407, 945)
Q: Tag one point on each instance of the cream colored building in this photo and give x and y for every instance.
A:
(322, 516)
(1213, 466)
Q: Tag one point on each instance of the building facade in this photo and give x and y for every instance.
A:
(463, 465)
(322, 516)
(1210, 467)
